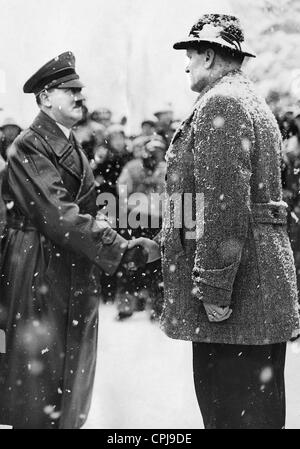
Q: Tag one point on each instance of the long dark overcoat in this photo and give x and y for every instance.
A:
(48, 298)
(228, 152)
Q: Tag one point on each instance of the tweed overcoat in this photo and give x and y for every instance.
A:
(49, 305)
(228, 151)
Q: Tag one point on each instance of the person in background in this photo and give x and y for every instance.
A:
(89, 134)
(103, 168)
(99, 167)
(163, 124)
(291, 188)
(148, 128)
(287, 124)
(117, 156)
(9, 131)
(145, 174)
(114, 154)
(174, 126)
(102, 116)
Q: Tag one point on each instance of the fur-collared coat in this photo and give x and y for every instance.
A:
(228, 152)
(52, 249)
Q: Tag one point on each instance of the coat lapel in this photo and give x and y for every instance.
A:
(83, 165)
(87, 184)
(69, 155)
(46, 128)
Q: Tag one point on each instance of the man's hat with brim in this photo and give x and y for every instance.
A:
(155, 142)
(163, 109)
(220, 29)
(59, 72)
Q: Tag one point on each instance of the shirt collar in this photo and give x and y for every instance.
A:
(65, 130)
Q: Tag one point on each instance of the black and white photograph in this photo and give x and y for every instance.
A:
(149, 217)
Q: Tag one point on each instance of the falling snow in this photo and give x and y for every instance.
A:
(169, 386)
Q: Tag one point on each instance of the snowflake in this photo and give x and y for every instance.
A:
(10, 205)
(266, 375)
(218, 122)
(48, 409)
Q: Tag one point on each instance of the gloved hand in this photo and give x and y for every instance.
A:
(102, 221)
(134, 258)
(151, 246)
(216, 314)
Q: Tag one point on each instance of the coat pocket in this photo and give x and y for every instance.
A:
(215, 286)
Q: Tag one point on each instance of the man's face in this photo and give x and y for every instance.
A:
(100, 154)
(66, 105)
(117, 142)
(147, 129)
(196, 69)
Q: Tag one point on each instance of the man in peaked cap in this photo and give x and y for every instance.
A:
(53, 249)
(229, 286)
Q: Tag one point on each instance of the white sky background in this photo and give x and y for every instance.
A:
(123, 51)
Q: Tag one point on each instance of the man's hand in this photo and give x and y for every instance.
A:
(102, 221)
(216, 314)
(150, 246)
(134, 258)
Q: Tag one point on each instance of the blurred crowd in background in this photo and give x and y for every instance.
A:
(138, 162)
(120, 159)
(289, 123)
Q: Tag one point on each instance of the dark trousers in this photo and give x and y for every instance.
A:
(240, 386)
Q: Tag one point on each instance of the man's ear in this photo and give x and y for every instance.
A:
(45, 100)
(209, 58)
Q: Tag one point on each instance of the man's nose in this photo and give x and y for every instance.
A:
(79, 97)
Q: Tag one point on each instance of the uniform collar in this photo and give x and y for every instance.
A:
(49, 130)
(65, 130)
(55, 138)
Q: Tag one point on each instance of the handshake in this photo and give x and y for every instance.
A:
(139, 252)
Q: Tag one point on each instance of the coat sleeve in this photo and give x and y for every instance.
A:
(223, 138)
(40, 193)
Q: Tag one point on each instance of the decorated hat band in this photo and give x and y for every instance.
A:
(220, 29)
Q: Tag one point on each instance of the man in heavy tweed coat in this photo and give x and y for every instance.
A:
(232, 289)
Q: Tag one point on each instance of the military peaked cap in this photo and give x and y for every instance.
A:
(59, 72)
